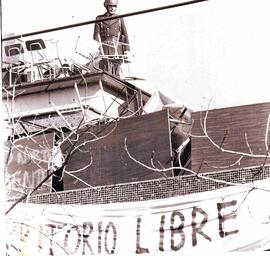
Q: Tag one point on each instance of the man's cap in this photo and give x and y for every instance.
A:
(110, 2)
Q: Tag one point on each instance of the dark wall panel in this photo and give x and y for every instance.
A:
(110, 162)
(26, 163)
(240, 128)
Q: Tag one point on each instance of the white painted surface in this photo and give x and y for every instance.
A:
(38, 103)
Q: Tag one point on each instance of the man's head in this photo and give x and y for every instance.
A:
(111, 6)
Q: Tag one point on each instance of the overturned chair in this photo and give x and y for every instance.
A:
(84, 59)
(113, 55)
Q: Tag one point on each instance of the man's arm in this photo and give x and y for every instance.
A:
(124, 35)
(96, 35)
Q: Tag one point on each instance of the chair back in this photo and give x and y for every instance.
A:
(14, 49)
(35, 45)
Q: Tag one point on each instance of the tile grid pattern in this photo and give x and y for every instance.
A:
(152, 189)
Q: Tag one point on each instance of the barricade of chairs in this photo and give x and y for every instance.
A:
(38, 65)
(18, 69)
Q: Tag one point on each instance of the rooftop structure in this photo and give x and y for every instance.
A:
(124, 133)
(109, 115)
(95, 164)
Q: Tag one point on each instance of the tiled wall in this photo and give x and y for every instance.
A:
(154, 189)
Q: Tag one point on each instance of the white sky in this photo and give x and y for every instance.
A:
(218, 49)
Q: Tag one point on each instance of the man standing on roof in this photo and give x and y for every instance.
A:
(113, 37)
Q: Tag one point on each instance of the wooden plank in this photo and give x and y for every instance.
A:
(230, 127)
(111, 163)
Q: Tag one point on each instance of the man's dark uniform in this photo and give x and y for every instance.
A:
(112, 31)
(114, 38)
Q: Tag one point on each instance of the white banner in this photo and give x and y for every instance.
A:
(231, 219)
